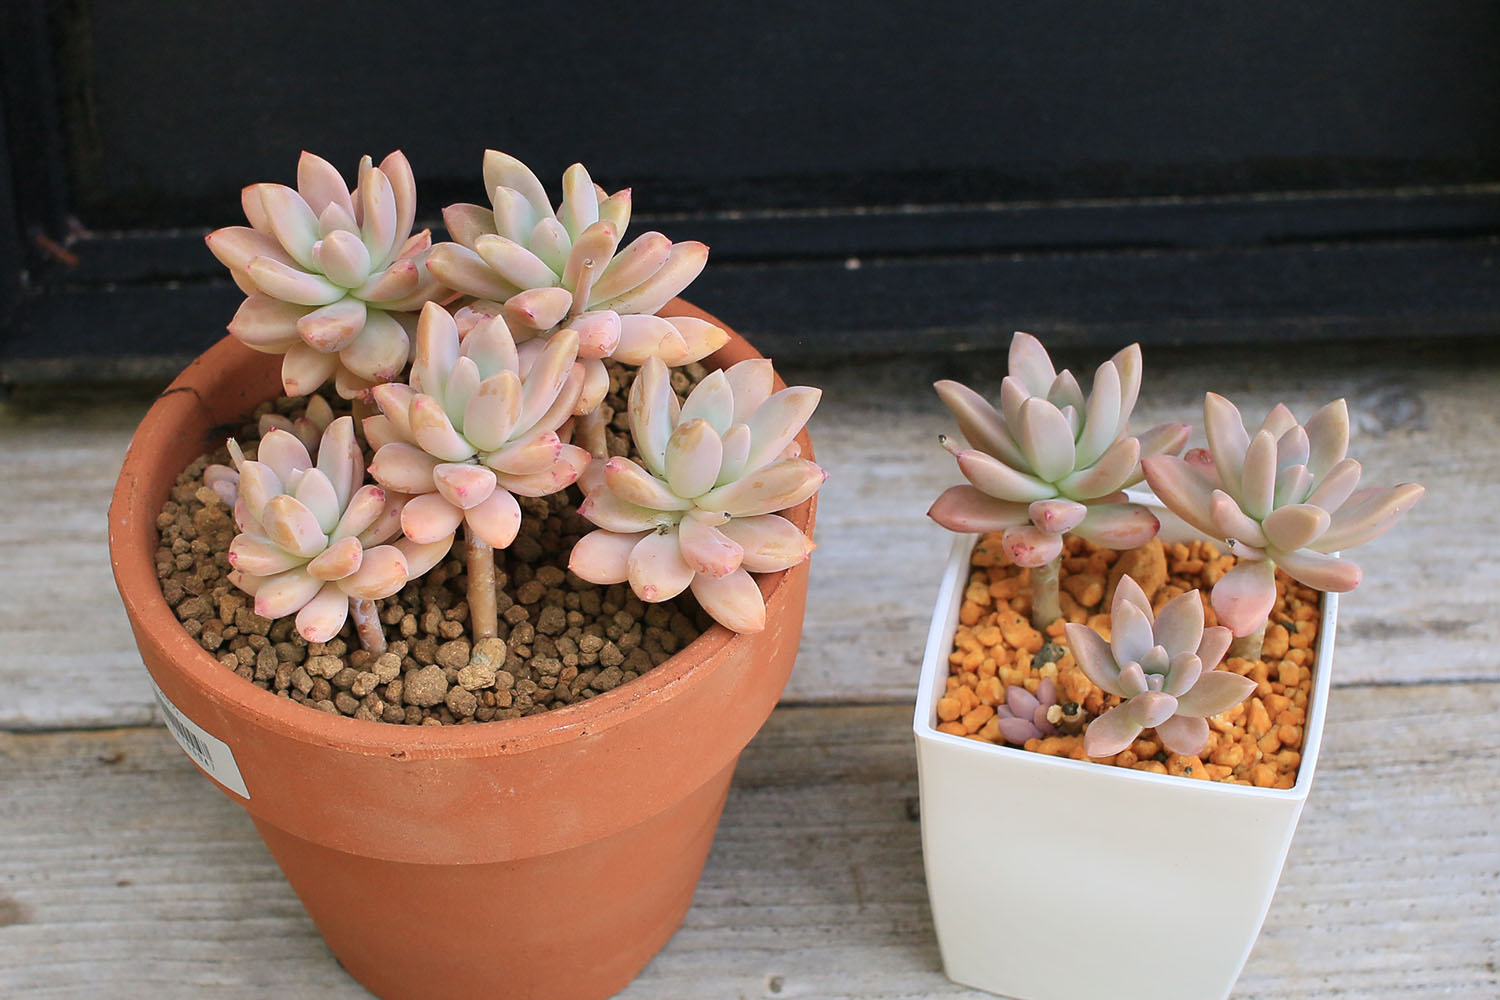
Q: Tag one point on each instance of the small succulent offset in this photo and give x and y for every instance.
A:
(1023, 715)
(471, 428)
(1285, 497)
(1052, 461)
(1163, 666)
(330, 273)
(311, 539)
(699, 511)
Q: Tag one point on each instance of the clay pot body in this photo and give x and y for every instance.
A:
(545, 857)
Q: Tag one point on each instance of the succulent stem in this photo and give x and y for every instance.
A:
(367, 625)
(479, 556)
(1248, 647)
(588, 432)
(1070, 718)
(1045, 608)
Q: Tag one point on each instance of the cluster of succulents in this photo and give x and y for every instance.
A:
(1052, 461)
(513, 321)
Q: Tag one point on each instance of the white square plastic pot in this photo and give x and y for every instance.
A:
(1057, 879)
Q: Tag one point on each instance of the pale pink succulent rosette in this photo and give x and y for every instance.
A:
(1286, 496)
(546, 270)
(1051, 460)
(1163, 666)
(312, 537)
(474, 427)
(331, 274)
(699, 511)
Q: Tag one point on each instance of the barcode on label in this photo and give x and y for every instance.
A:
(206, 750)
(186, 737)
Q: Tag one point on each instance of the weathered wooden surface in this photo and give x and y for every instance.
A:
(120, 865)
(1423, 412)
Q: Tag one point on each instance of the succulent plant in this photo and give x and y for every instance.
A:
(1285, 496)
(1052, 461)
(329, 273)
(546, 270)
(699, 511)
(1023, 715)
(472, 427)
(311, 537)
(1163, 666)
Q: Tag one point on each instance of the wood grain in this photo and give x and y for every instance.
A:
(1424, 412)
(119, 864)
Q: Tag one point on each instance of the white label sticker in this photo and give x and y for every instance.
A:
(206, 750)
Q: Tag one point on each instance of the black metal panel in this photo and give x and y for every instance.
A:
(713, 107)
(1187, 169)
(802, 309)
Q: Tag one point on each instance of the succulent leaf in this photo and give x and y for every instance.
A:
(1328, 437)
(604, 556)
(496, 520)
(1228, 440)
(1118, 525)
(1368, 516)
(733, 600)
(769, 542)
(1030, 546)
(1183, 734)
(979, 422)
(1031, 365)
(1216, 691)
(1101, 424)
(966, 509)
(1244, 596)
(1110, 472)
(1000, 481)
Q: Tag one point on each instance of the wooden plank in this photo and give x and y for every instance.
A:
(1425, 611)
(119, 864)
(68, 656)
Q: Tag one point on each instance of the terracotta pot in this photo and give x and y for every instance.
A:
(1107, 862)
(545, 857)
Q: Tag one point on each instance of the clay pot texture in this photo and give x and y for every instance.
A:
(548, 857)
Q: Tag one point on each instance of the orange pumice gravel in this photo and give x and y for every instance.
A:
(1257, 742)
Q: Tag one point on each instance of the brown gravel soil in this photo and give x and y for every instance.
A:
(1258, 742)
(562, 640)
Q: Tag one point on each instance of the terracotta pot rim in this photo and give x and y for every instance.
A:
(140, 590)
